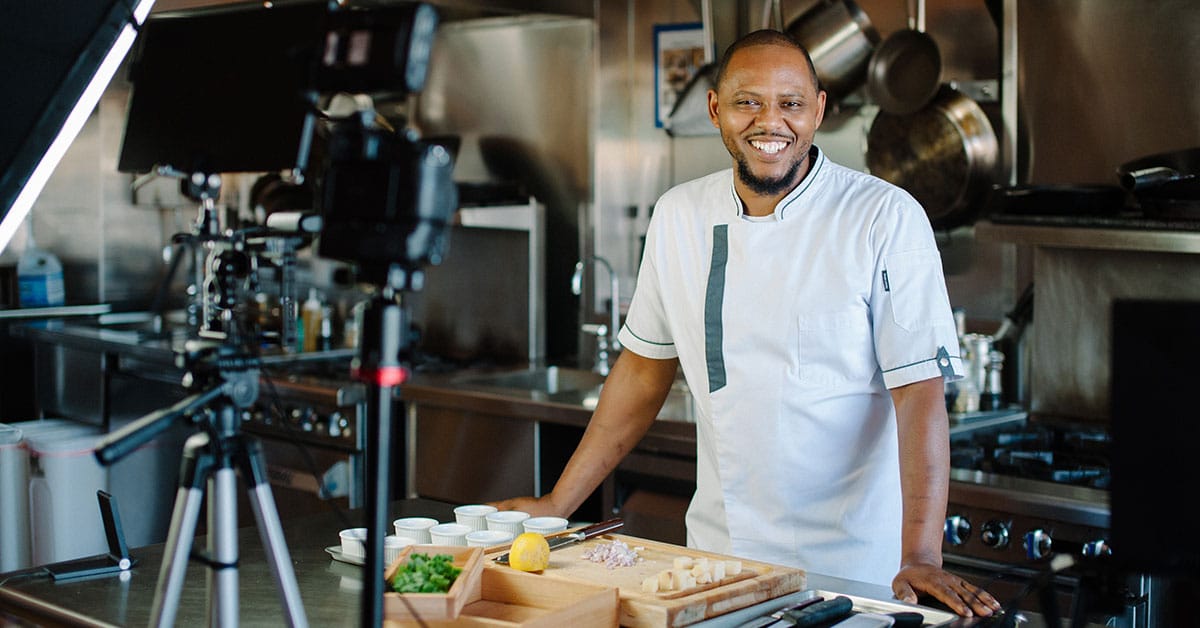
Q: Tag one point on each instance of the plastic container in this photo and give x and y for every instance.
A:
(40, 279)
(14, 510)
(64, 475)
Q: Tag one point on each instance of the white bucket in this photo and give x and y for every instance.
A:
(14, 513)
(64, 476)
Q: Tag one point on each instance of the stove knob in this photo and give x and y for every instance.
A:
(957, 529)
(995, 534)
(1037, 544)
(1094, 549)
(337, 422)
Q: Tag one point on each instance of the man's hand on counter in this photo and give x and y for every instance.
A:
(957, 594)
(535, 506)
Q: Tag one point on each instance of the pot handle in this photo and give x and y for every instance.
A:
(1154, 176)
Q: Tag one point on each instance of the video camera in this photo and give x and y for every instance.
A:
(257, 89)
(386, 196)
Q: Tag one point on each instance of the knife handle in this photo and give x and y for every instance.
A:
(821, 612)
(600, 528)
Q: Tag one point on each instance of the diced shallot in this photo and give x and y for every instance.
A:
(613, 555)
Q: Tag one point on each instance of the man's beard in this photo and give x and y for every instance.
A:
(765, 186)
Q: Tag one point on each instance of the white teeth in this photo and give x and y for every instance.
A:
(769, 148)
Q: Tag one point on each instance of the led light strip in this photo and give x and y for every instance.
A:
(73, 124)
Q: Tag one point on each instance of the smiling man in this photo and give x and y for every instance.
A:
(805, 303)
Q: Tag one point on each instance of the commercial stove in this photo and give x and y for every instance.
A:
(1022, 490)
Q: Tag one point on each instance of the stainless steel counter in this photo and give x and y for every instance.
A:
(330, 590)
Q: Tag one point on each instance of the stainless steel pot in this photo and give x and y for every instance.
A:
(945, 155)
(840, 39)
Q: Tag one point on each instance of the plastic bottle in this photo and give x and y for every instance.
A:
(39, 276)
(310, 318)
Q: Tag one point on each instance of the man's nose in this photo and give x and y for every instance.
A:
(770, 116)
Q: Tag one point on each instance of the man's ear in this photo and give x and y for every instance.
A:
(712, 108)
(821, 95)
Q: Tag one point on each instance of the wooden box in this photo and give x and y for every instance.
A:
(435, 606)
(530, 600)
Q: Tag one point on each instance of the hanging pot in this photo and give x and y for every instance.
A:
(905, 71)
(840, 39)
(945, 155)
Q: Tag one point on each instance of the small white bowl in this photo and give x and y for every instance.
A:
(354, 542)
(545, 525)
(449, 534)
(507, 521)
(392, 545)
(488, 538)
(473, 515)
(416, 528)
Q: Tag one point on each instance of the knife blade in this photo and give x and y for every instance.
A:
(777, 616)
(575, 536)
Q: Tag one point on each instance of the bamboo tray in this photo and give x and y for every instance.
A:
(511, 598)
(436, 606)
(758, 582)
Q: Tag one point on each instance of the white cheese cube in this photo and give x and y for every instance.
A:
(733, 567)
(650, 584)
(683, 562)
(718, 570)
(664, 580)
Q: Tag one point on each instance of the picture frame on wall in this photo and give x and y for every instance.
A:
(680, 50)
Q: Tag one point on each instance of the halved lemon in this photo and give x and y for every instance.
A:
(529, 552)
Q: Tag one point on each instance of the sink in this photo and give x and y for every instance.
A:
(576, 387)
(549, 380)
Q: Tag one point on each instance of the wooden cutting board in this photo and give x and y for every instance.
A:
(758, 582)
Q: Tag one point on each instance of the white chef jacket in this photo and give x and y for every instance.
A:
(789, 330)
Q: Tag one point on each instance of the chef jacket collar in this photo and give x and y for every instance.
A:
(816, 160)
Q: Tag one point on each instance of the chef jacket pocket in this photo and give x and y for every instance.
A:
(835, 347)
(915, 287)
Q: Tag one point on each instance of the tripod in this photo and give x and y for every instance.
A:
(213, 458)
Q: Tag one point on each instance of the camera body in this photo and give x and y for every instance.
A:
(386, 198)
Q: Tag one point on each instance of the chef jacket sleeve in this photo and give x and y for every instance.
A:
(915, 336)
(646, 331)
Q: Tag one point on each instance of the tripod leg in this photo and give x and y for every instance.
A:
(196, 465)
(262, 502)
(223, 548)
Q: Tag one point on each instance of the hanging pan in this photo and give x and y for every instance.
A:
(905, 71)
(945, 155)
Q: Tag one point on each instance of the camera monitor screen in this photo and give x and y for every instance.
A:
(59, 55)
(221, 89)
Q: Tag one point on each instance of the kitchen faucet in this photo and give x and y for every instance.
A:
(614, 308)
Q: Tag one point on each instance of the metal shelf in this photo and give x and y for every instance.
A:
(1162, 241)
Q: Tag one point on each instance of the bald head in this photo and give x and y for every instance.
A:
(765, 37)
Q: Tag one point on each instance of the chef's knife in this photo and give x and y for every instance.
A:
(820, 613)
(575, 536)
(777, 616)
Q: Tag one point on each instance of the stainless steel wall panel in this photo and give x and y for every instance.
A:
(1071, 335)
(1105, 81)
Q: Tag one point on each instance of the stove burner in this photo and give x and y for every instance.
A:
(1061, 454)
